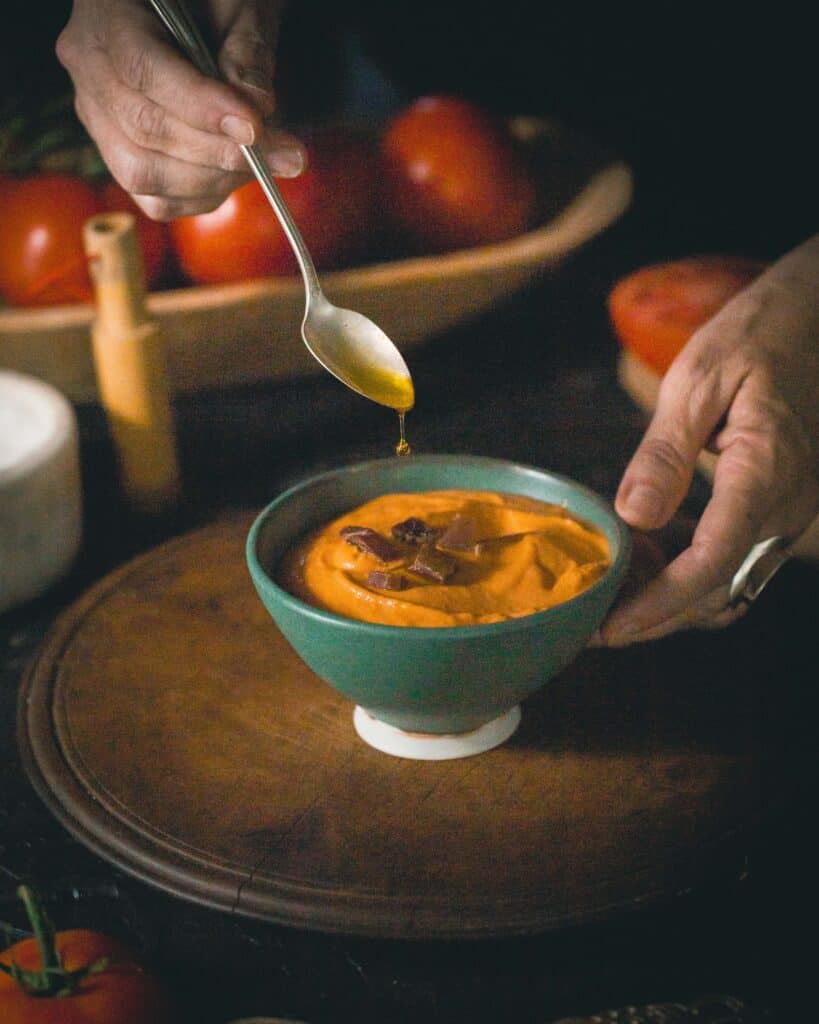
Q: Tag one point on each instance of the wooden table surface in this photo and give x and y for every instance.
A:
(534, 381)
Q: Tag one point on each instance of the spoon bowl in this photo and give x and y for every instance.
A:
(358, 352)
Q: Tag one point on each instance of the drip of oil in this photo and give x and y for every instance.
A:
(402, 448)
(393, 390)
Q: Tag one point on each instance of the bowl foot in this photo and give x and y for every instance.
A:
(424, 746)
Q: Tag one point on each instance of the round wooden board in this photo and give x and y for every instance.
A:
(169, 726)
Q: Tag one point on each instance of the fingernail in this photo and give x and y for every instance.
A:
(644, 503)
(238, 129)
(287, 161)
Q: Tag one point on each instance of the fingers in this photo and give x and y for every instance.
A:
(757, 492)
(694, 395)
(692, 590)
(712, 611)
(654, 569)
(146, 172)
(146, 124)
(170, 136)
(168, 185)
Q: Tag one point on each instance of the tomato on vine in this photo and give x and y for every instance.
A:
(76, 977)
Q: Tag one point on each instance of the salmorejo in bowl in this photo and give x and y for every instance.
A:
(437, 592)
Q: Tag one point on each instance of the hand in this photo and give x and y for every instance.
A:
(744, 387)
(170, 135)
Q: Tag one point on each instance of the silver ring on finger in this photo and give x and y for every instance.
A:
(760, 566)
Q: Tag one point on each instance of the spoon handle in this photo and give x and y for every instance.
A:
(182, 26)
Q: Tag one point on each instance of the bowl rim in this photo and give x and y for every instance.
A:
(260, 575)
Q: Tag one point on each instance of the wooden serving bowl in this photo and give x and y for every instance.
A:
(218, 335)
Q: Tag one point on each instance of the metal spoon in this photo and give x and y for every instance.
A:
(346, 343)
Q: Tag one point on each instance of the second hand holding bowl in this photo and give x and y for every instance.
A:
(346, 343)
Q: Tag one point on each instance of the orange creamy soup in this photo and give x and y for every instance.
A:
(445, 558)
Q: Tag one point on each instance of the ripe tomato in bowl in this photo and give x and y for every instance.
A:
(42, 258)
(42, 255)
(455, 176)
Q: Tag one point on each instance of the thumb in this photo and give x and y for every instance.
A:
(247, 56)
(659, 474)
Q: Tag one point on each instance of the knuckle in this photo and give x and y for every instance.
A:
(214, 157)
(65, 48)
(703, 388)
(768, 450)
(135, 67)
(713, 604)
(148, 122)
(754, 452)
(139, 174)
(725, 616)
(229, 157)
(695, 381)
(665, 457)
(701, 361)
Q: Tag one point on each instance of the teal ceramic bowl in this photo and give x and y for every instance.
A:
(462, 684)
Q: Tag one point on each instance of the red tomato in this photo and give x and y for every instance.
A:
(345, 210)
(122, 992)
(6, 183)
(117, 992)
(332, 202)
(154, 237)
(455, 175)
(655, 310)
(42, 258)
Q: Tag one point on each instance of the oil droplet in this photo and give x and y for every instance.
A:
(402, 448)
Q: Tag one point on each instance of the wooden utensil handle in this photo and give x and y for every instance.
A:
(129, 361)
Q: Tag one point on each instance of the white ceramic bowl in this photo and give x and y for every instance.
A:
(40, 489)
